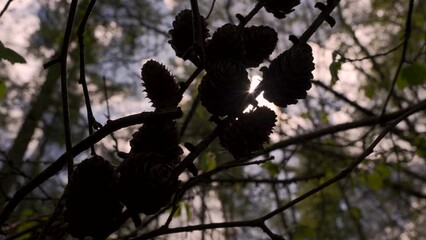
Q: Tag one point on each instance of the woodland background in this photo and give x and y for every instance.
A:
(369, 75)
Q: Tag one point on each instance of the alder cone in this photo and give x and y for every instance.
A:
(227, 43)
(224, 88)
(279, 8)
(183, 36)
(160, 85)
(259, 43)
(91, 199)
(159, 137)
(146, 183)
(246, 135)
(289, 76)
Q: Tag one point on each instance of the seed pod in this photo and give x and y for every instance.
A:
(226, 44)
(182, 35)
(259, 43)
(91, 200)
(160, 85)
(246, 135)
(224, 88)
(159, 137)
(146, 182)
(281, 7)
(289, 76)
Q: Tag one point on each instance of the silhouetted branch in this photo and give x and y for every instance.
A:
(64, 83)
(5, 7)
(337, 128)
(92, 123)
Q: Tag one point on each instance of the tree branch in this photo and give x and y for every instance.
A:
(64, 88)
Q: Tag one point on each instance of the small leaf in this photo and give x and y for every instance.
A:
(412, 75)
(272, 168)
(334, 68)
(369, 91)
(177, 212)
(10, 55)
(2, 89)
(187, 210)
(209, 161)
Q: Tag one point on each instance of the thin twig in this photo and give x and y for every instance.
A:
(343, 97)
(335, 129)
(185, 85)
(265, 181)
(403, 56)
(198, 32)
(5, 7)
(108, 114)
(64, 83)
(211, 9)
(345, 59)
(92, 123)
(190, 115)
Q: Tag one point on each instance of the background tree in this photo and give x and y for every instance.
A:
(344, 163)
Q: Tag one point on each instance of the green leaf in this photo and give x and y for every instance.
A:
(375, 181)
(177, 212)
(10, 55)
(2, 89)
(188, 210)
(209, 161)
(412, 75)
(272, 168)
(369, 91)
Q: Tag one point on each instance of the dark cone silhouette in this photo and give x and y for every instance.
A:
(224, 88)
(160, 85)
(281, 7)
(146, 182)
(246, 135)
(259, 43)
(182, 36)
(226, 44)
(91, 200)
(160, 137)
(289, 76)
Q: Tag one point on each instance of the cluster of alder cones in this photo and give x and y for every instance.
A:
(146, 179)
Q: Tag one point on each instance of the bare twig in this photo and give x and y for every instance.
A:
(336, 128)
(190, 115)
(92, 123)
(64, 83)
(403, 56)
(345, 59)
(5, 7)
(108, 114)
